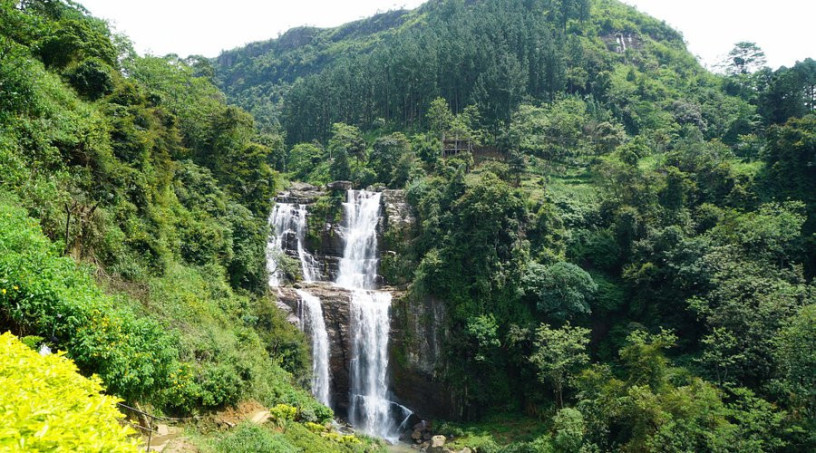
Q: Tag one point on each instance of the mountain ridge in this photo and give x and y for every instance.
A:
(464, 52)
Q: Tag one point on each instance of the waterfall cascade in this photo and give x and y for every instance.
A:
(311, 317)
(288, 222)
(289, 226)
(358, 267)
(370, 408)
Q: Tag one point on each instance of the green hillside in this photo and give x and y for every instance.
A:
(622, 242)
(133, 226)
(383, 72)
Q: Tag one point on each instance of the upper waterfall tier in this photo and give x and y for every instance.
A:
(358, 267)
(288, 223)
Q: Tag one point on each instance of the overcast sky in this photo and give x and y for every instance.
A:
(711, 27)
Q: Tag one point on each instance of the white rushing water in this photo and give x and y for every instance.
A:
(313, 324)
(370, 409)
(358, 267)
(288, 222)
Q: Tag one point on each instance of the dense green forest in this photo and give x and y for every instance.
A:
(133, 224)
(625, 247)
(626, 254)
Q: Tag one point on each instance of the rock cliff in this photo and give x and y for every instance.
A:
(417, 361)
(417, 335)
(335, 304)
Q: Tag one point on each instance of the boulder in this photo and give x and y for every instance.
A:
(437, 445)
(299, 193)
(340, 185)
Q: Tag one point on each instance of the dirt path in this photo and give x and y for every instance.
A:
(260, 417)
(165, 437)
(171, 439)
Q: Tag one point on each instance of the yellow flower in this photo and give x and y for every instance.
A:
(16, 287)
(3, 290)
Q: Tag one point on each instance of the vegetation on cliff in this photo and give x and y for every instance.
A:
(623, 241)
(133, 223)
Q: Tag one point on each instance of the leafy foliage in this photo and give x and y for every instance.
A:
(559, 354)
(561, 290)
(136, 169)
(47, 405)
(49, 296)
(589, 202)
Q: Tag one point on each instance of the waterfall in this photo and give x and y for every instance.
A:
(358, 267)
(312, 323)
(288, 222)
(370, 409)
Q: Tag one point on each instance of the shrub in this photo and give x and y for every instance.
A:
(283, 412)
(251, 438)
(91, 78)
(47, 295)
(46, 405)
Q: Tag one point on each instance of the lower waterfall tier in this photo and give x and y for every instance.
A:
(371, 407)
(414, 354)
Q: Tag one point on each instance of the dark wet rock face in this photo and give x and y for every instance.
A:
(335, 304)
(417, 363)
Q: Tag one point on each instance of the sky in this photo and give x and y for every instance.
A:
(782, 28)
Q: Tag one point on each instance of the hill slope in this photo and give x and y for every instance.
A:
(133, 226)
(618, 242)
(386, 70)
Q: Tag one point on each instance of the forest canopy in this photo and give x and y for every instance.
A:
(622, 242)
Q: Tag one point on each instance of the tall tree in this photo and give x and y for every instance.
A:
(745, 58)
(559, 355)
(346, 138)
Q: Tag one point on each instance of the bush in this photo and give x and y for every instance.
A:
(291, 437)
(282, 413)
(251, 438)
(561, 290)
(307, 441)
(46, 405)
(49, 296)
(92, 79)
